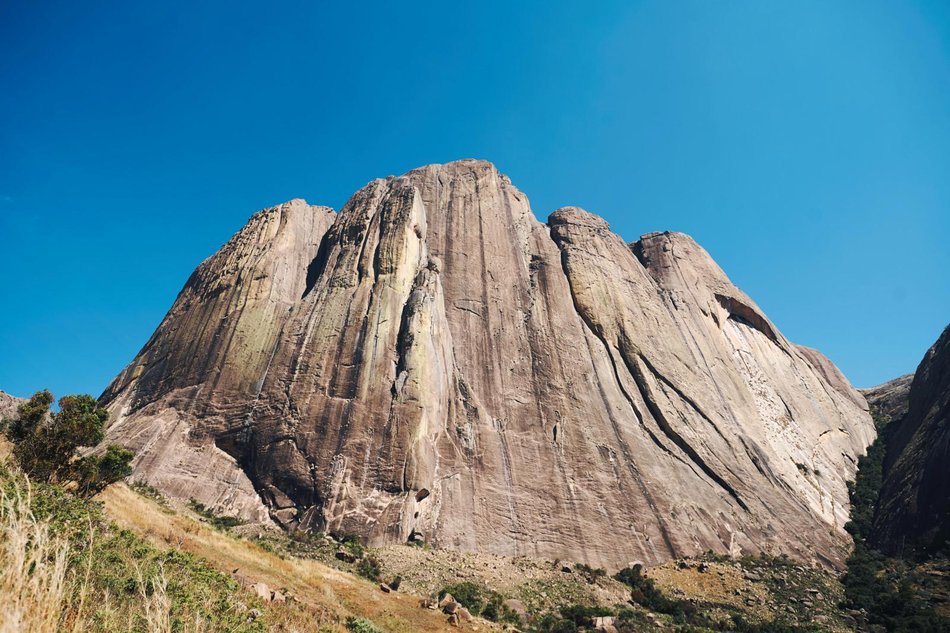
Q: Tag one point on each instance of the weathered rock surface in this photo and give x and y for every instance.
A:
(448, 366)
(9, 405)
(202, 367)
(913, 512)
(890, 399)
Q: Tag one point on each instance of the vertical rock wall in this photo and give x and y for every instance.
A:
(446, 365)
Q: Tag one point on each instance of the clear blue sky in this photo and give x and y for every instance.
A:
(805, 144)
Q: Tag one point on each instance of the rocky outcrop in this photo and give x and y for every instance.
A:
(448, 368)
(890, 400)
(9, 405)
(913, 513)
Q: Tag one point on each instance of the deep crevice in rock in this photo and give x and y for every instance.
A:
(635, 474)
(676, 438)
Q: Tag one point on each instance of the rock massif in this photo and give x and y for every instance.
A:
(913, 513)
(435, 363)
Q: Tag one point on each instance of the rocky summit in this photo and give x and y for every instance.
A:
(432, 363)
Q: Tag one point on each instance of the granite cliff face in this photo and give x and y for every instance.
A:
(913, 513)
(206, 360)
(435, 363)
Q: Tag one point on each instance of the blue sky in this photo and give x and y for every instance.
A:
(805, 145)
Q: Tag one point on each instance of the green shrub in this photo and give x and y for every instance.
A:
(45, 443)
(551, 623)
(222, 522)
(882, 586)
(146, 490)
(581, 615)
(352, 544)
(590, 572)
(361, 625)
(741, 625)
(644, 592)
(369, 567)
(95, 472)
(630, 621)
(481, 601)
(866, 487)
(467, 594)
(571, 619)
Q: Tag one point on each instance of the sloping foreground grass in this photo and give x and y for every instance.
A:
(65, 567)
(125, 563)
(33, 568)
(322, 593)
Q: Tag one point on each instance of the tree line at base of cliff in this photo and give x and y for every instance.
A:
(890, 594)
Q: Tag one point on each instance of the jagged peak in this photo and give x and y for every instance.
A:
(463, 168)
(666, 242)
(295, 203)
(674, 235)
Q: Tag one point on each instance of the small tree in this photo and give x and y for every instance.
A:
(95, 472)
(45, 443)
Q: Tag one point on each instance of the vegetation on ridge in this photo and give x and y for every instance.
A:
(46, 444)
(885, 590)
(65, 567)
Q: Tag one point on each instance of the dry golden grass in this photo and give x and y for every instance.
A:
(50, 582)
(324, 597)
(34, 583)
(41, 593)
(718, 585)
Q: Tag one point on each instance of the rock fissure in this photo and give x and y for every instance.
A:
(635, 474)
(646, 393)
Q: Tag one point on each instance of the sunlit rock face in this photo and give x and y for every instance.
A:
(9, 405)
(435, 361)
(204, 364)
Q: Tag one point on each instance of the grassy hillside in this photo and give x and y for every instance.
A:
(132, 561)
(67, 568)
(323, 593)
(129, 563)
